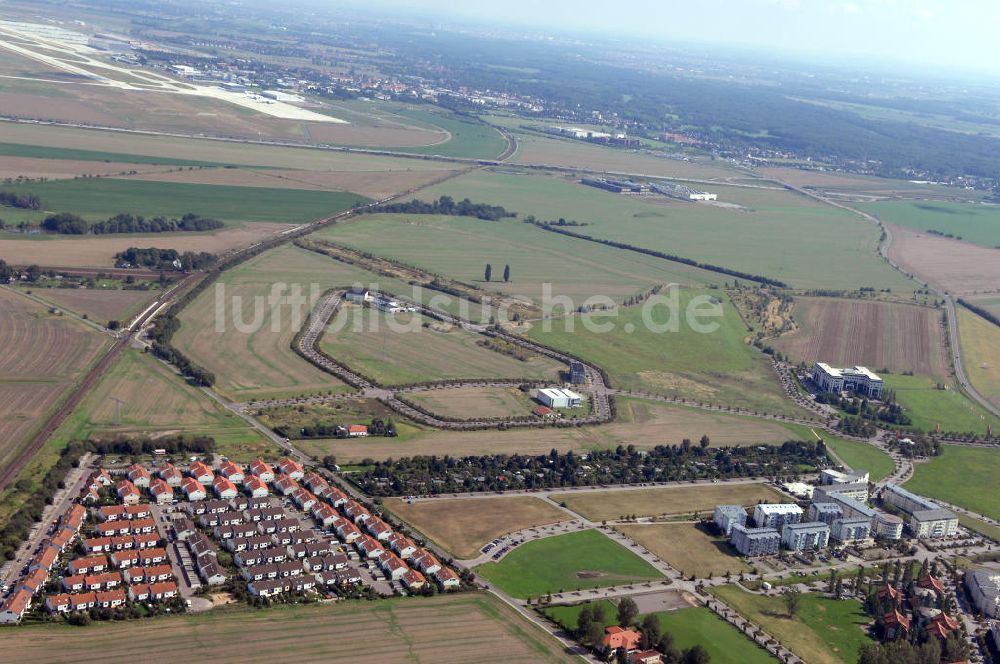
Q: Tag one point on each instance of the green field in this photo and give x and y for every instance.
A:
(585, 559)
(963, 476)
(99, 198)
(409, 348)
(772, 232)
(713, 367)
(861, 456)
(930, 408)
(469, 139)
(826, 631)
(360, 411)
(45, 152)
(980, 341)
(694, 626)
(157, 400)
(460, 248)
(976, 223)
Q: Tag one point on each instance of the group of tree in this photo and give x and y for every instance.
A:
(446, 205)
(23, 201)
(135, 446)
(66, 223)
(6, 271)
(887, 410)
(622, 465)
(979, 311)
(164, 259)
(377, 427)
(590, 630)
(160, 333)
(488, 273)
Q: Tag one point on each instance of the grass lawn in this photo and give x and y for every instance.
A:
(976, 223)
(723, 642)
(586, 559)
(687, 548)
(100, 198)
(931, 408)
(473, 140)
(714, 365)
(964, 476)
(469, 402)
(826, 631)
(601, 505)
(294, 418)
(403, 348)
(463, 526)
(468, 627)
(861, 456)
(980, 341)
(460, 247)
(769, 232)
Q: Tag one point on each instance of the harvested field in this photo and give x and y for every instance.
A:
(449, 630)
(855, 186)
(99, 250)
(643, 424)
(980, 341)
(464, 526)
(374, 184)
(61, 169)
(100, 305)
(958, 267)
(42, 356)
(900, 337)
(687, 547)
(471, 402)
(600, 505)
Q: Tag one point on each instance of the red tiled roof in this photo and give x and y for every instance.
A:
(18, 602)
(357, 428)
(616, 637)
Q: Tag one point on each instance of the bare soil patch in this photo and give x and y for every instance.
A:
(957, 267)
(607, 505)
(100, 305)
(63, 169)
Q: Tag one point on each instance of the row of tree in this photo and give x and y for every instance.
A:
(445, 205)
(590, 630)
(164, 259)
(23, 201)
(66, 223)
(488, 273)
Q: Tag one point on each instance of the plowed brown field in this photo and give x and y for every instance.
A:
(958, 267)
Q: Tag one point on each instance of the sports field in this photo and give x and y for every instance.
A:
(43, 355)
(402, 348)
(252, 357)
(461, 628)
(971, 222)
(680, 499)
(931, 408)
(980, 341)
(460, 248)
(770, 232)
(463, 526)
(963, 476)
(826, 631)
(842, 333)
(156, 400)
(663, 349)
(98, 199)
(687, 548)
(472, 402)
(584, 559)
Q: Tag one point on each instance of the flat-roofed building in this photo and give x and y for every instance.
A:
(807, 536)
(727, 516)
(850, 531)
(753, 542)
(934, 523)
(825, 512)
(555, 397)
(905, 500)
(831, 476)
(776, 515)
(852, 379)
(855, 490)
(888, 526)
(984, 589)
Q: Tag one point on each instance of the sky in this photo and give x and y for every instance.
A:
(943, 33)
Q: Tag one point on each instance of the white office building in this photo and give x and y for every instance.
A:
(727, 516)
(888, 526)
(555, 397)
(825, 512)
(852, 379)
(905, 500)
(855, 490)
(776, 515)
(753, 542)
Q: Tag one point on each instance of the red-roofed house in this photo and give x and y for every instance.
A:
(62, 538)
(347, 531)
(291, 468)
(545, 411)
(336, 497)
(104, 581)
(930, 583)
(263, 470)
(425, 562)
(356, 511)
(413, 580)
(201, 472)
(57, 603)
(889, 592)
(285, 485)
(447, 578)
(12, 610)
(162, 493)
(941, 626)
(97, 544)
(111, 513)
(44, 560)
(193, 489)
(125, 558)
(616, 638)
(304, 499)
(142, 511)
(75, 583)
(356, 430)
(110, 599)
(369, 547)
(392, 565)
(169, 474)
(895, 624)
(35, 580)
(139, 475)
(645, 657)
(111, 528)
(324, 514)
(127, 492)
(378, 529)
(402, 545)
(224, 489)
(256, 487)
(141, 526)
(232, 472)
(88, 565)
(75, 517)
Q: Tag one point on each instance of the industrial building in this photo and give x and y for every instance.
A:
(934, 523)
(852, 379)
(805, 536)
(776, 515)
(682, 192)
(617, 186)
(577, 373)
(984, 589)
(850, 531)
(727, 516)
(825, 512)
(753, 542)
(554, 397)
